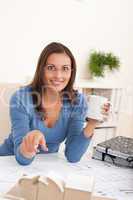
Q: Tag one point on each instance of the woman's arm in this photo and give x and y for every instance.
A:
(78, 136)
(20, 125)
(20, 115)
(76, 141)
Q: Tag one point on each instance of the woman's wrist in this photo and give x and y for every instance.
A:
(90, 126)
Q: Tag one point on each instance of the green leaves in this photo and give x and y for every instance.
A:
(99, 61)
(112, 61)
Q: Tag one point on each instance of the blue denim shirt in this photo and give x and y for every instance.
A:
(68, 127)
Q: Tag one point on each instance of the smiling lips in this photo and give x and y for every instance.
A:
(56, 82)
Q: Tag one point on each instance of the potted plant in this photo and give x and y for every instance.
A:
(100, 62)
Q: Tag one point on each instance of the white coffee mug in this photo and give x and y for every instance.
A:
(95, 105)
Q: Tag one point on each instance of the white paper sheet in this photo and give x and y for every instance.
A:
(110, 181)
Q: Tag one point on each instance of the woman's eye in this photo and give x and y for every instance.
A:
(66, 68)
(51, 67)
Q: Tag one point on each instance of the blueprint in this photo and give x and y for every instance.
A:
(110, 181)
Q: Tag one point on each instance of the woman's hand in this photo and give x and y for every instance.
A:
(92, 123)
(89, 129)
(106, 111)
(30, 143)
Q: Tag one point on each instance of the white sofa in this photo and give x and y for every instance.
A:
(6, 90)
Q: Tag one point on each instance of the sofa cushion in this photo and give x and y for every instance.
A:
(6, 90)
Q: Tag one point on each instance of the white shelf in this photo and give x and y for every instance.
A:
(106, 125)
(101, 84)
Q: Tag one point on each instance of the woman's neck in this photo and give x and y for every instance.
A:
(50, 99)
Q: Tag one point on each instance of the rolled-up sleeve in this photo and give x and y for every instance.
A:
(20, 125)
(76, 142)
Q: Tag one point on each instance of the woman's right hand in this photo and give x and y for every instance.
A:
(30, 143)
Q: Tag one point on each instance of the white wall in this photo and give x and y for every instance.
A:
(27, 26)
(125, 126)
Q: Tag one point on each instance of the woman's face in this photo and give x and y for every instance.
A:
(57, 71)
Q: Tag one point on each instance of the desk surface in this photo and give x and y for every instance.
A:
(110, 181)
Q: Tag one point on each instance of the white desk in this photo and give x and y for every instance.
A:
(109, 180)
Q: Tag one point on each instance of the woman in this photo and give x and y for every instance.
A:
(49, 111)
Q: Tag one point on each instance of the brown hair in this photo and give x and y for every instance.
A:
(38, 81)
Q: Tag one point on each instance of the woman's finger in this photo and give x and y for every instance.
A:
(106, 108)
(43, 144)
(105, 113)
(28, 145)
(39, 139)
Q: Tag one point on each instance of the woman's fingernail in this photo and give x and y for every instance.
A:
(35, 147)
(45, 148)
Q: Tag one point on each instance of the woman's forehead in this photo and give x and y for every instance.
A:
(59, 58)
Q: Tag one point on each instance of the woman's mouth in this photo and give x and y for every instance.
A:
(56, 83)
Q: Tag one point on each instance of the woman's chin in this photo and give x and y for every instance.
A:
(58, 88)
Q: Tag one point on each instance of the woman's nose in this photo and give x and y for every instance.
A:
(58, 73)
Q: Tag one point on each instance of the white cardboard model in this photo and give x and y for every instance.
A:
(101, 198)
(77, 187)
(9, 197)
